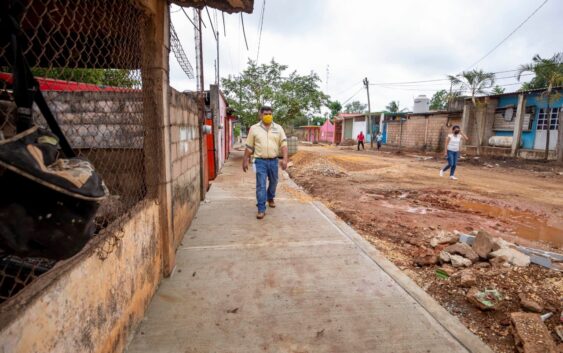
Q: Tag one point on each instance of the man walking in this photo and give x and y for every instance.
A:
(360, 139)
(265, 140)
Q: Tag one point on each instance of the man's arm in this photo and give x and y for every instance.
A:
(464, 136)
(246, 158)
(283, 147)
(248, 150)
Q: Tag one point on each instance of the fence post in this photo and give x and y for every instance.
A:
(157, 115)
(517, 135)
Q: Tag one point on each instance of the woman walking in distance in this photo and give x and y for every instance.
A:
(453, 143)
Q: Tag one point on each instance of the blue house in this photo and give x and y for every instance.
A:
(507, 130)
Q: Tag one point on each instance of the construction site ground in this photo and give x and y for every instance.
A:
(398, 202)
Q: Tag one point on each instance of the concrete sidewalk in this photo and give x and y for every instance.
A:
(298, 281)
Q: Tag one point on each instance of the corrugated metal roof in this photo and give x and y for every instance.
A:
(229, 6)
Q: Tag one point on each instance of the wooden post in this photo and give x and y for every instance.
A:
(517, 134)
(466, 116)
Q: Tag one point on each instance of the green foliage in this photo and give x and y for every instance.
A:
(439, 100)
(236, 130)
(106, 77)
(291, 96)
(498, 90)
(548, 72)
(335, 108)
(394, 107)
(474, 82)
(356, 107)
(303, 121)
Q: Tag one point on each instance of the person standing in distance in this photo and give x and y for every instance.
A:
(379, 140)
(360, 139)
(266, 140)
(453, 143)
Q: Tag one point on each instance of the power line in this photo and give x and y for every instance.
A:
(180, 54)
(211, 23)
(434, 80)
(509, 35)
(184, 11)
(354, 95)
(243, 31)
(260, 33)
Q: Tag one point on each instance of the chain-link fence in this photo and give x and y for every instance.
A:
(87, 56)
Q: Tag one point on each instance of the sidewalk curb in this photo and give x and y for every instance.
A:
(448, 321)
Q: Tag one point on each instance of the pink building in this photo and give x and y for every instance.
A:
(327, 132)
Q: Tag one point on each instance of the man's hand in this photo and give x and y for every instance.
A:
(284, 163)
(245, 165)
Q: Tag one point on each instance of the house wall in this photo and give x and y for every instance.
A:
(420, 132)
(87, 304)
(185, 150)
(327, 132)
(359, 125)
(528, 137)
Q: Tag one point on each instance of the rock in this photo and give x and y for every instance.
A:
(483, 244)
(482, 265)
(460, 261)
(499, 243)
(487, 299)
(530, 305)
(448, 269)
(463, 250)
(444, 257)
(530, 334)
(468, 279)
(444, 238)
(426, 259)
(513, 256)
(497, 261)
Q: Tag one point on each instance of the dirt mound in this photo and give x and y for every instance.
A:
(348, 142)
(315, 164)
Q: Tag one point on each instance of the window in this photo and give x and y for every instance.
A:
(543, 119)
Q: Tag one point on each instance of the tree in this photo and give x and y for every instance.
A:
(291, 96)
(439, 100)
(548, 74)
(544, 70)
(355, 107)
(497, 90)
(475, 82)
(106, 77)
(335, 108)
(394, 107)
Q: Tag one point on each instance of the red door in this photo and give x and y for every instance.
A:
(210, 150)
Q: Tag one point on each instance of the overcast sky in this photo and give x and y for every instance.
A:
(385, 41)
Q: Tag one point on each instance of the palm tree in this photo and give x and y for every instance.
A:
(475, 82)
(393, 107)
(548, 74)
(497, 90)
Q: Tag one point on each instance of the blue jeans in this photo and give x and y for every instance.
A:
(452, 162)
(265, 169)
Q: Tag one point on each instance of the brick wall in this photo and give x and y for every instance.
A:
(421, 132)
(185, 156)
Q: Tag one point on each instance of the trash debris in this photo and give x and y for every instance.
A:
(442, 274)
(232, 311)
(487, 299)
(546, 316)
(530, 334)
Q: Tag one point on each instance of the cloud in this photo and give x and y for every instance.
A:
(391, 41)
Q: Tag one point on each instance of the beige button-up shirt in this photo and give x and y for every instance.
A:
(266, 143)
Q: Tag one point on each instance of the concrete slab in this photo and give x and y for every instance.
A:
(298, 281)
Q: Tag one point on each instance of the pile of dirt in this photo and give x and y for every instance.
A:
(318, 166)
(348, 142)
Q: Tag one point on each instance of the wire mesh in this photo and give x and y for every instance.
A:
(87, 56)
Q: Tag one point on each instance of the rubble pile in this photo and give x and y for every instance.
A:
(473, 263)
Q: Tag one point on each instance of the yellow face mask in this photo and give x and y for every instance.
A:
(267, 119)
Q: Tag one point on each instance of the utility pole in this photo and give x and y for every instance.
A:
(368, 121)
(200, 93)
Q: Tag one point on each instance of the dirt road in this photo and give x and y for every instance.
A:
(398, 202)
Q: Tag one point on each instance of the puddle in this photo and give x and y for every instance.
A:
(524, 224)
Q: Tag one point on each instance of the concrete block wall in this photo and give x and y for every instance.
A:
(185, 160)
(419, 132)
